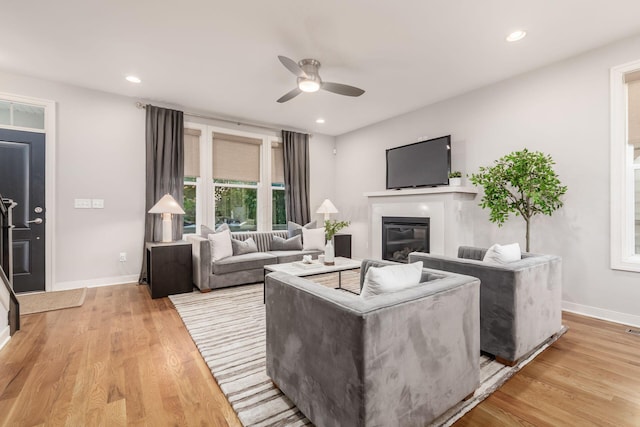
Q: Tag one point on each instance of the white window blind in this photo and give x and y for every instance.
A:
(236, 158)
(277, 163)
(192, 153)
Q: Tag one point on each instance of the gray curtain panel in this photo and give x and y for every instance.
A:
(164, 169)
(296, 176)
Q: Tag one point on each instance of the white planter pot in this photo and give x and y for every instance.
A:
(329, 254)
(455, 182)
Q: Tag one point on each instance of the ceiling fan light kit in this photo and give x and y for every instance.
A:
(309, 80)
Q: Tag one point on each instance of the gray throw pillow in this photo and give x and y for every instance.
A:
(244, 247)
(292, 244)
(296, 229)
(205, 231)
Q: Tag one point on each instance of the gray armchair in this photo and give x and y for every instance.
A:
(520, 302)
(399, 359)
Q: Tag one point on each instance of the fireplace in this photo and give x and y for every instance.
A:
(402, 235)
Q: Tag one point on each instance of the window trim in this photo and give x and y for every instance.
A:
(623, 255)
(205, 207)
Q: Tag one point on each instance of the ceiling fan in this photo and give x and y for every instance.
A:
(309, 80)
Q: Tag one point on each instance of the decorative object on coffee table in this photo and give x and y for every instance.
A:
(455, 179)
(523, 183)
(167, 206)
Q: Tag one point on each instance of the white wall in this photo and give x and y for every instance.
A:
(100, 154)
(562, 110)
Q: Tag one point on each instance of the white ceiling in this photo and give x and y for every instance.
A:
(220, 57)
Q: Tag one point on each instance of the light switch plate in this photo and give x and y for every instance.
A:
(82, 203)
(97, 203)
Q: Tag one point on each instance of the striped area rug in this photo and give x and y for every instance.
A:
(228, 327)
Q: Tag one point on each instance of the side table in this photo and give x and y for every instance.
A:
(169, 268)
(342, 243)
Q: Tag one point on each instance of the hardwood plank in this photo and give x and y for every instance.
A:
(120, 359)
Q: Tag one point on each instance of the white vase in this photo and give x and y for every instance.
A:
(455, 182)
(329, 254)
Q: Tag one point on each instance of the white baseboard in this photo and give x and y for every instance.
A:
(5, 336)
(92, 283)
(601, 313)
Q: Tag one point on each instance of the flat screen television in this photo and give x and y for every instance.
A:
(421, 164)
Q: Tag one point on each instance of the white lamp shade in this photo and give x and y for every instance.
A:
(167, 204)
(327, 207)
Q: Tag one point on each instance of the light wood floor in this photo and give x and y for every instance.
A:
(124, 359)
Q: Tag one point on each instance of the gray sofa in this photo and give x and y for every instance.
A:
(520, 302)
(238, 269)
(398, 359)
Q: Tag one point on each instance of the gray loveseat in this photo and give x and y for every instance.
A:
(398, 359)
(520, 302)
(238, 269)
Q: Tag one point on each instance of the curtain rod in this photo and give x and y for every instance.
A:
(236, 122)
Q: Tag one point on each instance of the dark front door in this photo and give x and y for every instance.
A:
(22, 178)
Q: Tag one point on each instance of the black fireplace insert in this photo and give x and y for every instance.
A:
(402, 235)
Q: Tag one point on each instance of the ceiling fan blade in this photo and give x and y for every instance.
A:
(341, 89)
(289, 95)
(292, 66)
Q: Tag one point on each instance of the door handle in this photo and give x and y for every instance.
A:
(35, 221)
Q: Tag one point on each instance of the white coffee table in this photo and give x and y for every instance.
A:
(341, 264)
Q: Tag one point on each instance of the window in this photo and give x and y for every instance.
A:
(232, 178)
(278, 212)
(18, 115)
(625, 167)
(191, 178)
(236, 174)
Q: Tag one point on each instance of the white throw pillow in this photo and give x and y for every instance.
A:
(221, 247)
(313, 239)
(391, 278)
(503, 254)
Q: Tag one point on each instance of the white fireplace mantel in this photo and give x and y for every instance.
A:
(423, 190)
(448, 210)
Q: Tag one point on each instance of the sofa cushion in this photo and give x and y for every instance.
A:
(291, 256)
(262, 238)
(313, 239)
(503, 254)
(295, 229)
(205, 231)
(221, 245)
(292, 244)
(391, 278)
(243, 262)
(241, 247)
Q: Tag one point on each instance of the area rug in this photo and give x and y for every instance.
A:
(48, 301)
(228, 327)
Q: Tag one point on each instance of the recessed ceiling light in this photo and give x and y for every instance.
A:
(320, 120)
(133, 79)
(516, 35)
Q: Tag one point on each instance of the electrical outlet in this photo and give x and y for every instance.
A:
(97, 203)
(123, 256)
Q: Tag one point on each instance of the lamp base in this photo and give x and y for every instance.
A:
(166, 228)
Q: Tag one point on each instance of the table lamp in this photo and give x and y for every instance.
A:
(327, 208)
(166, 206)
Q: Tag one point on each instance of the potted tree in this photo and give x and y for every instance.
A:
(523, 183)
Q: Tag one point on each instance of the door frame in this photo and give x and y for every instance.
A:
(49, 188)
